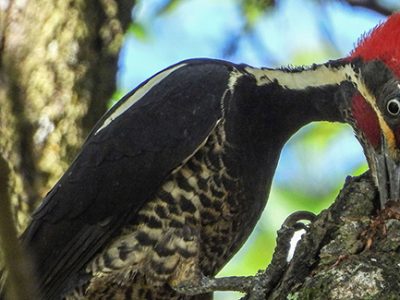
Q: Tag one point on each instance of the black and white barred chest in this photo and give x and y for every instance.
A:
(194, 224)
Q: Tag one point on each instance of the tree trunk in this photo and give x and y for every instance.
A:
(349, 251)
(58, 62)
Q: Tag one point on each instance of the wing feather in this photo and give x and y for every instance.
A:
(121, 167)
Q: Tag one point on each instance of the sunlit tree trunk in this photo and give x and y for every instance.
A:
(58, 61)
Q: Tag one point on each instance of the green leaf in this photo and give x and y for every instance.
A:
(118, 94)
(254, 9)
(168, 7)
(138, 30)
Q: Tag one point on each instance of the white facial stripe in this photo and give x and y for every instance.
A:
(321, 75)
(140, 93)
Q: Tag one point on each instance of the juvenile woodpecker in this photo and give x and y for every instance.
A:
(172, 180)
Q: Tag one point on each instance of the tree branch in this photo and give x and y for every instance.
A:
(349, 252)
(372, 5)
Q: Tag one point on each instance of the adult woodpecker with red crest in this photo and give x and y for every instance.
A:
(172, 180)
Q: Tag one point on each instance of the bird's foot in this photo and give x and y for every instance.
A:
(292, 221)
(265, 281)
(284, 244)
(258, 286)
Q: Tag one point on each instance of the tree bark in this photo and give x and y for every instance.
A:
(58, 62)
(349, 252)
(20, 283)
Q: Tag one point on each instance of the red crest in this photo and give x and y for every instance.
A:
(383, 43)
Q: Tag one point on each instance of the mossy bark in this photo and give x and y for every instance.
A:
(58, 62)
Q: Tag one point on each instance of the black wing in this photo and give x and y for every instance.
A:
(121, 166)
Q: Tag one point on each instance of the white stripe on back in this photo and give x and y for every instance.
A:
(140, 93)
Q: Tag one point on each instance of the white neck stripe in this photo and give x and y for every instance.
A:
(321, 75)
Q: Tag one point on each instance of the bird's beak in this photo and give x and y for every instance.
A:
(387, 174)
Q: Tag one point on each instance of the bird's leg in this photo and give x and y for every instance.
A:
(256, 286)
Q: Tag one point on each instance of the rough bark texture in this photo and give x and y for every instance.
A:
(58, 61)
(349, 252)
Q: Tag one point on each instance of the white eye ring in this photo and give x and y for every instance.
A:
(393, 107)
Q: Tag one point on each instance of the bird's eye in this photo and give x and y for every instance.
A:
(393, 107)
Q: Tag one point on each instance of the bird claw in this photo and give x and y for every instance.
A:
(291, 225)
(265, 281)
(292, 221)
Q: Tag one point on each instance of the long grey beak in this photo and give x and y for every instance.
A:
(387, 175)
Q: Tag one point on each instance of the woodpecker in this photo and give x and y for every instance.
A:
(172, 180)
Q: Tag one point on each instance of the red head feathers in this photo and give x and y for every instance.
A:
(382, 43)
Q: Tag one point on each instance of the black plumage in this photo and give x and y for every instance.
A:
(201, 114)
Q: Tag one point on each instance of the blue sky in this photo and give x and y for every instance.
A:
(292, 27)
